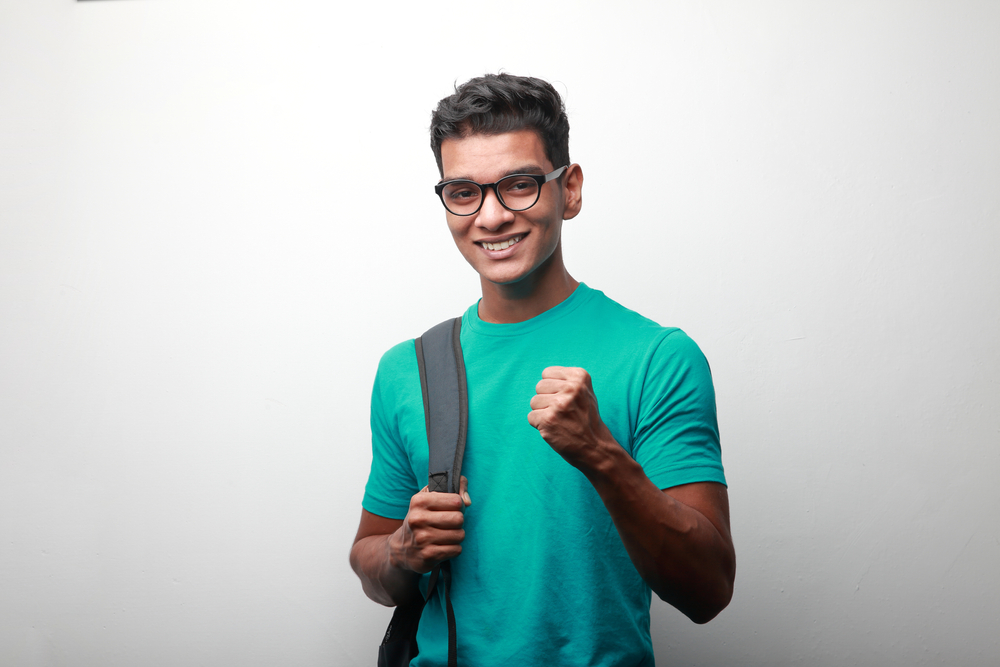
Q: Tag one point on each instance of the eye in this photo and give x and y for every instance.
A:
(461, 192)
(519, 186)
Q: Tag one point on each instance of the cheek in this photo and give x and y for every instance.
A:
(456, 227)
(548, 228)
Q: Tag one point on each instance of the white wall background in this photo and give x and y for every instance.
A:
(215, 215)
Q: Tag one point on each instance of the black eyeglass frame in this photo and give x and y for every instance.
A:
(539, 178)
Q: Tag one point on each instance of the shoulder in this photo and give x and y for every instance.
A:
(638, 330)
(614, 314)
(675, 345)
(397, 377)
(397, 357)
(676, 363)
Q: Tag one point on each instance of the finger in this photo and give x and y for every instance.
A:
(429, 555)
(566, 373)
(555, 373)
(443, 538)
(540, 401)
(420, 521)
(547, 404)
(442, 521)
(437, 502)
(463, 490)
(434, 554)
(550, 386)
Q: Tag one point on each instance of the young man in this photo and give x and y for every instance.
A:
(592, 454)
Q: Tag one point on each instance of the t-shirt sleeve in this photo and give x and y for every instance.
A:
(391, 483)
(677, 434)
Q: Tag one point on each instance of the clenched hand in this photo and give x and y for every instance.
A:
(564, 410)
(432, 531)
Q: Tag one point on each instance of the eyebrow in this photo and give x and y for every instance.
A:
(526, 169)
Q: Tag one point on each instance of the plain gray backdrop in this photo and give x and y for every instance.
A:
(215, 216)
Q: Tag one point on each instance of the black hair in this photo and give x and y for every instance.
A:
(499, 103)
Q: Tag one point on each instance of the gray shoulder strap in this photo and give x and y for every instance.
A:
(446, 403)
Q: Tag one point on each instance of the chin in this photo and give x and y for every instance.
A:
(503, 275)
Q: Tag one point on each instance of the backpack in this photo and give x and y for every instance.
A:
(446, 416)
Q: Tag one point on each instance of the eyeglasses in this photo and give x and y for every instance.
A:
(517, 192)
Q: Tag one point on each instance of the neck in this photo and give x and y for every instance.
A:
(546, 287)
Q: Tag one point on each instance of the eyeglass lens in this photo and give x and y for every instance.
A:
(516, 193)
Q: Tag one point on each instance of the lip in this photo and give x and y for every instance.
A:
(500, 254)
(500, 239)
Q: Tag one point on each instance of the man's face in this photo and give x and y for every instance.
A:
(532, 235)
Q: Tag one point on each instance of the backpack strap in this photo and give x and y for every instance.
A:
(446, 417)
(446, 403)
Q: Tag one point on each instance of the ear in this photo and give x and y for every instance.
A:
(572, 191)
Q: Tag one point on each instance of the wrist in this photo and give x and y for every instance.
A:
(601, 458)
(395, 558)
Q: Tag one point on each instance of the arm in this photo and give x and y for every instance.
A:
(678, 538)
(389, 555)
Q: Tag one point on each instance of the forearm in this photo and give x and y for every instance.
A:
(686, 559)
(382, 581)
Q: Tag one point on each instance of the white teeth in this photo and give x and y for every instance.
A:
(502, 245)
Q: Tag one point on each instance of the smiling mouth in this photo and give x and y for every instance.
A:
(503, 245)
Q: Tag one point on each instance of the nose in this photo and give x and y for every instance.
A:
(492, 215)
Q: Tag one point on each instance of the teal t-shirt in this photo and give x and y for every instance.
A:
(543, 577)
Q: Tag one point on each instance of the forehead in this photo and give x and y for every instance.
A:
(486, 157)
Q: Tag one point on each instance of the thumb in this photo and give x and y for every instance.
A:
(463, 490)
